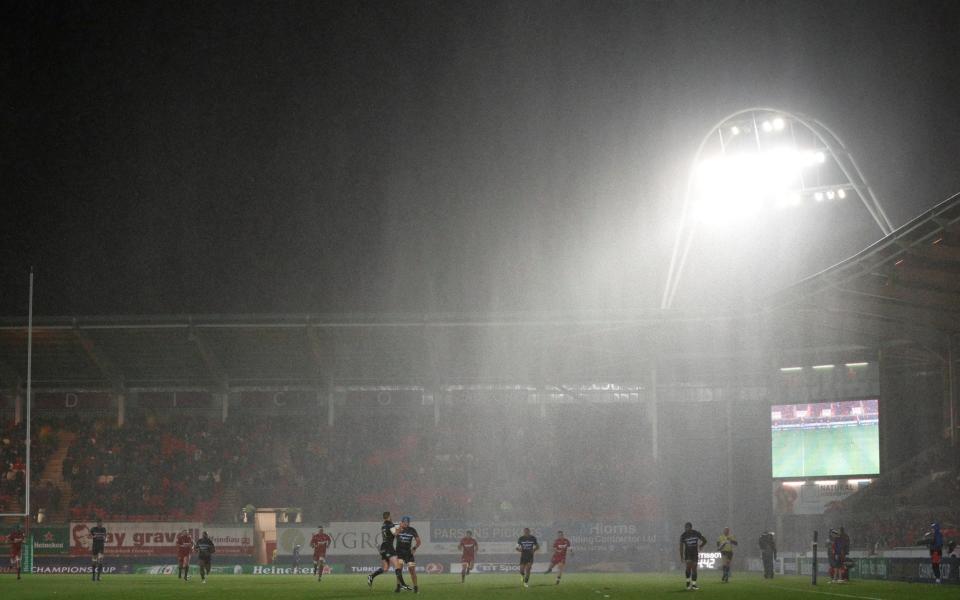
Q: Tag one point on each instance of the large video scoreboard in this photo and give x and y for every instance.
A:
(825, 439)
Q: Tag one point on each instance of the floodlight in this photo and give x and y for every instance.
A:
(826, 482)
(726, 191)
(831, 194)
(733, 187)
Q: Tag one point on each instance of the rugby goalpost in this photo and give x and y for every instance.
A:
(27, 556)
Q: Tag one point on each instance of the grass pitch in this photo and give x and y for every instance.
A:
(447, 587)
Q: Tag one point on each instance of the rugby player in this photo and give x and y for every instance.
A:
(98, 534)
(468, 554)
(725, 544)
(15, 539)
(936, 549)
(527, 545)
(837, 557)
(691, 541)
(560, 547)
(320, 542)
(388, 554)
(408, 540)
(184, 543)
(205, 550)
(296, 557)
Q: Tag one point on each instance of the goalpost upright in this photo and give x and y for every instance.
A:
(25, 513)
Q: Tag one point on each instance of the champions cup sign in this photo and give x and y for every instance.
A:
(132, 539)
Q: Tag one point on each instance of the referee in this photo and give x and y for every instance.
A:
(725, 544)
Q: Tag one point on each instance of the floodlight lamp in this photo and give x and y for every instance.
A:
(779, 124)
(735, 187)
(841, 193)
(734, 130)
(821, 157)
(767, 126)
(831, 194)
(818, 196)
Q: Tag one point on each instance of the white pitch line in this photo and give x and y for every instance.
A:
(780, 587)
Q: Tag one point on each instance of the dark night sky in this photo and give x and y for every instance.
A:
(198, 157)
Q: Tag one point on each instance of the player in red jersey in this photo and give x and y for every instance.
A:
(560, 547)
(184, 544)
(320, 542)
(468, 547)
(15, 540)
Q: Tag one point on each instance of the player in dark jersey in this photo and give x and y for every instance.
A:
(527, 544)
(835, 557)
(98, 535)
(296, 558)
(408, 540)
(15, 540)
(691, 541)
(205, 550)
(388, 555)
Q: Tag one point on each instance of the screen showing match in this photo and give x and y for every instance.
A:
(826, 439)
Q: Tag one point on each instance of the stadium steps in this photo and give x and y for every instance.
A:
(13, 507)
(53, 473)
(229, 503)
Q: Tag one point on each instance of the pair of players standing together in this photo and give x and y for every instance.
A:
(398, 548)
(204, 547)
(98, 536)
(185, 546)
(401, 541)
(692, 541)
(527, 546)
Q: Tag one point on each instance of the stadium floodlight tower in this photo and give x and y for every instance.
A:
(759, 159)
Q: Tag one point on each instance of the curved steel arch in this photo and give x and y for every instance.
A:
(831, 142)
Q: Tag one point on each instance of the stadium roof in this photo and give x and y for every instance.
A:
(904, 290)
(901, 295)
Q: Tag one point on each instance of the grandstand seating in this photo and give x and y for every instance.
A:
(483, 462)
(896, 508)
(13, 461)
